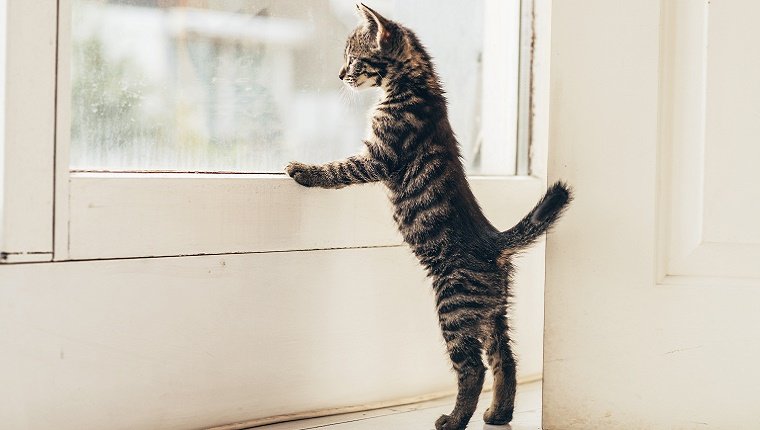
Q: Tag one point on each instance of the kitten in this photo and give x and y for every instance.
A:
(412, 150)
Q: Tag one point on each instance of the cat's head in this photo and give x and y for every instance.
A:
(375, 45)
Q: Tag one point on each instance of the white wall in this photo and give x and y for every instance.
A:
(651, 296)
(192, 342)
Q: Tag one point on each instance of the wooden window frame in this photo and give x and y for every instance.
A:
(50, 213)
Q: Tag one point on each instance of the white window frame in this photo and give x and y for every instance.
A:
(61, 215)
(27, 146)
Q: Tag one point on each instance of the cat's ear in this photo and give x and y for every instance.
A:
(376, 22)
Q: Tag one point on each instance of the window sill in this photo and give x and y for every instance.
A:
(134, 215)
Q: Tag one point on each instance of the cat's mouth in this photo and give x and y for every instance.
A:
(360, 82)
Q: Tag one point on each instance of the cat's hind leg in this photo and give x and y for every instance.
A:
(502, 363)
(465, 351)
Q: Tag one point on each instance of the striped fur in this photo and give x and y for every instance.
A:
(413, 151)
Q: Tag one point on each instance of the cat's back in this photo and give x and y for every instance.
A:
(433, 203)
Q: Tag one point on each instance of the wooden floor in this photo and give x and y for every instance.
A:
(421, 416)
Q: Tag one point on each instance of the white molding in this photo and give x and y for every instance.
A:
(682, 119)
(683, 250)
(3, 44)
(500, 87)
(28, 140)
(538, 111)
(126, 215)
(526, 79)
(63, 134)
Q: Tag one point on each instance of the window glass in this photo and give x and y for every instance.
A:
(248, 85)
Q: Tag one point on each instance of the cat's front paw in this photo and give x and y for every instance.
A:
(302, 173)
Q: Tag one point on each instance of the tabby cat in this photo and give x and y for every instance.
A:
(412, 150)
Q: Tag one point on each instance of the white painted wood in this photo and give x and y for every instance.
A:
(633, 338)
(143, 215)
(732, 129)
(3, 43)
(710, 142)
(63, 134)
(135, 215)
(194, 342)
(501, 53)
(525, 86)
(27, 142)
(539, 99)
(128, 215)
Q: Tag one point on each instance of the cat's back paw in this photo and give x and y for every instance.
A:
(497, 417)
(451, 422)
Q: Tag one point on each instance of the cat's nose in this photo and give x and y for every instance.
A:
(342, 74)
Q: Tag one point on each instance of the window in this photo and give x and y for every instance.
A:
(246, 86)
(56, 204)
(127, 182)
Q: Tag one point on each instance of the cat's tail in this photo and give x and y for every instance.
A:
(537, 221)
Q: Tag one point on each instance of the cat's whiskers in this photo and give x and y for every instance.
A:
(348, 95)
(342, 94)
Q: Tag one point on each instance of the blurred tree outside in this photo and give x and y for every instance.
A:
(106, 114)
